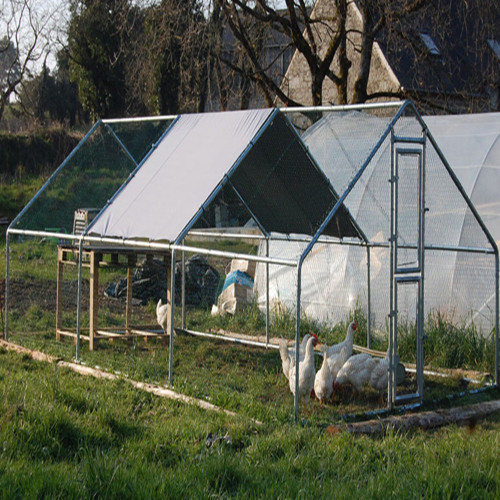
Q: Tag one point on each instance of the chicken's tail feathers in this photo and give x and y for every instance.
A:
(283, 348)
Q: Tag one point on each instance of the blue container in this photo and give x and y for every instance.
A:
(238, 277)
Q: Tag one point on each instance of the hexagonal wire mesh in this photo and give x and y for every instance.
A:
(460, 273)
(91, 175)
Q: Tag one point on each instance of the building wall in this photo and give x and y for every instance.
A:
(297, 81)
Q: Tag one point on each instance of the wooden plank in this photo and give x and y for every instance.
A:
(154, 389)
(94, 297)
(60, 278)
(128, 306)
(66, 333)
(37, 355)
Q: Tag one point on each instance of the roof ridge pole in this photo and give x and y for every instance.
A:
(341, 107)
(132, 119)
(130, 176)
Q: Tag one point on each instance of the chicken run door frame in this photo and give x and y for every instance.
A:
(407, 249)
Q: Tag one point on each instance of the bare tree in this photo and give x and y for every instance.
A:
(335, 42)
(322, 37)
(28, 28)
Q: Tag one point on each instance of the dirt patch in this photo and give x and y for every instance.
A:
(25, 293)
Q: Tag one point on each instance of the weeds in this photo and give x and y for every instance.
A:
(447, 345)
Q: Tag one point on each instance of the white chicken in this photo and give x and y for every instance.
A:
(379, 376)
(356, 371)
(323, 383)
(162, 315)
(307, 372)
(339, 353)
(288, 353)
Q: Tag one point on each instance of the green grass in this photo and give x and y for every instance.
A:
(448, 345)
(67, 436)
(16, 193)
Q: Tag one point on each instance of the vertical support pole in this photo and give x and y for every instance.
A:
(79, 299)
(171, 297)
(497, 312)
(267, 292)
(297, 341)
(183, 288)
(168, 267)
(94, 298)
(421, 288)
(392, 314)
(59, 284)
(128, 307)
(369, 292)
(7, 285)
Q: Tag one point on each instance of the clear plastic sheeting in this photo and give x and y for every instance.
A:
(358, 151)
(471, 145)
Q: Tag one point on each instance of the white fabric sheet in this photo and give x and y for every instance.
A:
(178, 177)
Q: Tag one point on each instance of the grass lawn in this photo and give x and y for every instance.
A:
(63, 435)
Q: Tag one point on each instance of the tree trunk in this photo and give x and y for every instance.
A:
(360, 91)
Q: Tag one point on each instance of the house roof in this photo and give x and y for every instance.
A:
(443, 48)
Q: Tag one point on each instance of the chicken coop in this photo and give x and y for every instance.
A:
(352, 206)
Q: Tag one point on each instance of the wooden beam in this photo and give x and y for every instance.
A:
(101, 374)
(94, 296)
(128, 306)
(60, 278)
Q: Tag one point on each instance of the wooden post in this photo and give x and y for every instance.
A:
(130, 275)
(94, 298)
(60, 277)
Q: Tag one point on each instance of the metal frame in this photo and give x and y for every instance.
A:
(180, 246)
(406, 274)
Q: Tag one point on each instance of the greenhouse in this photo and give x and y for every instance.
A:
(354, 206)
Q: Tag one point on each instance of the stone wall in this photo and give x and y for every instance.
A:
(297, 81)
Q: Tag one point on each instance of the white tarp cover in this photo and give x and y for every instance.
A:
(181, 173)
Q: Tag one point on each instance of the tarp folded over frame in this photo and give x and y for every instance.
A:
(257, 152)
